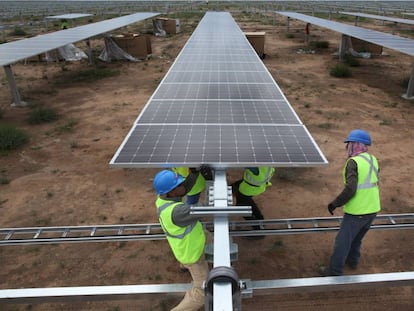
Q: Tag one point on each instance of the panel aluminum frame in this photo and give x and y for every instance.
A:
(218, 108)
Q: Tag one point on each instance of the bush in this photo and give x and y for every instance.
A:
(95, 74)
(319, 44)
(18, 32)
(11, 137)
(341, 71)
(351, 61)
(42, 115)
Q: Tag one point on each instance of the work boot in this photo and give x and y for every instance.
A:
(324, 271)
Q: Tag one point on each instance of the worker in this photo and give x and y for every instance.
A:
(360, 199)
(184, 232)
(307, 32)
(254, 182)
(193, 195)
(64, 24)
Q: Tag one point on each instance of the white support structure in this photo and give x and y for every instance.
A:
(17, 102)
(410, 88)
(222, 292)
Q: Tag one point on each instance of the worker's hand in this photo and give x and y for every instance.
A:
(206, 172)
(331, 208)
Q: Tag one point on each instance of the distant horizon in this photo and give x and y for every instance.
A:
(207, 0)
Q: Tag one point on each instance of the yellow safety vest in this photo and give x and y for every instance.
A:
(253, 185)
(366, 199)
(187, 243)
(200, 183)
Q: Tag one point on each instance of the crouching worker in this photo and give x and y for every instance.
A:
(184, 232)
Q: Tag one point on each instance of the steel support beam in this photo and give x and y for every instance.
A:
(17, 102)
(222, 292)
(262, 287)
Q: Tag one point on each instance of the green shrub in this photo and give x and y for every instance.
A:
(18, 32)
(340, 71)
(351, 61)
(319, 44)
(42, 115)
(11, 137)
(95, 74)
(404, 82)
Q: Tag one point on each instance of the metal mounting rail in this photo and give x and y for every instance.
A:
(128, 232)
(248, 288)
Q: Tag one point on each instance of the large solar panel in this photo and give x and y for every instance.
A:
(69, 16)
(380, 17)
(393, 42)
(18, 50)
(218, 105)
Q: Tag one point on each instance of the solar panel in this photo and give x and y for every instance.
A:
(69, 16)
(400, 44)
(380, 17)
(218, 105)
(18, 50)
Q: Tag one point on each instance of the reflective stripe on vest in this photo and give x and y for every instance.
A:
(367, 183)
(187, 243)
(366, 199)
(253, 185)
(187, 230)
(253, 179)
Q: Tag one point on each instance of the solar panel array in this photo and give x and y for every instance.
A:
(218, 105)
(69, 16)
(380, 17)
(399, 44)
(18, 50)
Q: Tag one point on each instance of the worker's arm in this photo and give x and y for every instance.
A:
(181, 216)
(351, 173)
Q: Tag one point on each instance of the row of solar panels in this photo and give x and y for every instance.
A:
(218, 105)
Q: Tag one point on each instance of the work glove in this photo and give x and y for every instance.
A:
(206, 172)
(331, 208)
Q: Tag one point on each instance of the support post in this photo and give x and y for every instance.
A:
(222, 288)
(17, 102)
(343, 46)
(410, 88)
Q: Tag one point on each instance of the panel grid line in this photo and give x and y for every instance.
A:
(218, 108)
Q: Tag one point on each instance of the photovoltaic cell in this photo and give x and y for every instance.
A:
(218, 105)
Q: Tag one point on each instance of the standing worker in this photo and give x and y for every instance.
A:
(193, 195)
(64, 24)
(307, 33)
(360, 200)
(254, 182)
(184, 232)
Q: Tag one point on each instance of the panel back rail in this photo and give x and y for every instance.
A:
(153, 231)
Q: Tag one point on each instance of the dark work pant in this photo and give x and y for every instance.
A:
(244, 200)
(348, 241)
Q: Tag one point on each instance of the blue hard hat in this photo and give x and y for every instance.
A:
(359, 136)
(166, 180)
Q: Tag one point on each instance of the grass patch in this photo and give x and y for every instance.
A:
(94, 74)
(325, 126)
(351, 61)
(319, 44)
(19, 32)
(68, 126)
(340, 71)
(4, 180)
(404, 82)
(42, 115)
(11, 137)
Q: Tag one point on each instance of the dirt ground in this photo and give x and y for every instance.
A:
(62, 177)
